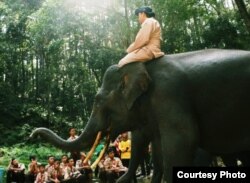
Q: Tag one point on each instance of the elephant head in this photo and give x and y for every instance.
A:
(114, 110)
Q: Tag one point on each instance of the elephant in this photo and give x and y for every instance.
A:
(191, 100)
(141, 139)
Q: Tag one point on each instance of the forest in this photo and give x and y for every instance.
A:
(53, 53)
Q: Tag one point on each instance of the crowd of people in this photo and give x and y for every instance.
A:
(63, 170)
(72, 168)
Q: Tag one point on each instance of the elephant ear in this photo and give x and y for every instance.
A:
(135, 81)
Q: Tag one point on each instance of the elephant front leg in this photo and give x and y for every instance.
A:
(139, 142)
(157, 160)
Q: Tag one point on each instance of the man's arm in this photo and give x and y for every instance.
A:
(37, 177)
(120, 165)
(78, 165)
(107, 166)
(66, 173)
(129, 145)
(142, 37)
(20, 168)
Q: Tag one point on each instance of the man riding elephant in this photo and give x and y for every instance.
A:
(147, 42)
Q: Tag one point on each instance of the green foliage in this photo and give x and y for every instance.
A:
(221, 34)
(53, 53)
(22, 152)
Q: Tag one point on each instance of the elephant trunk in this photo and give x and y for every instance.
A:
(84, 141)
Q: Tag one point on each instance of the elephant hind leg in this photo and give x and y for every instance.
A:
(179, 144)
(177, 155)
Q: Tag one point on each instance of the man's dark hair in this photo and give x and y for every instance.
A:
(65, 155)
(57, 161)
(147, 10)
(32, 157)
(41, 165)
(110, 150)
(51, 156)
(12, 159)
(72, 129)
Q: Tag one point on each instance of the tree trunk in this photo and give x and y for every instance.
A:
(127, 22)
(23, 79)
(37, 88)
(243, 12)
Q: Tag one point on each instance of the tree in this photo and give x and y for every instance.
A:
(244, 13)
(53, 53)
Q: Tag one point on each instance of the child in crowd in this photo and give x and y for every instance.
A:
(72, 136)
(15, 172)
(33, 170)
(84, 168)
(113, 166)
(71, 174)
(50, 166)
(56, 174)
(42, 176)
(64, 161)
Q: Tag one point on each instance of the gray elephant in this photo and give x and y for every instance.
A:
(194, 99)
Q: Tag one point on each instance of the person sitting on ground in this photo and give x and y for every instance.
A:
(64, 161)
(96, 154)
(50, 166)
(15, 172)
(42, 176)
(32, 170)
(56, 174)
(51, 161)
(113, 166)
(101, 169)
(84, 168)
(71, 174)
(147, 42)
